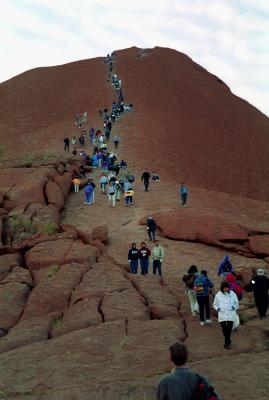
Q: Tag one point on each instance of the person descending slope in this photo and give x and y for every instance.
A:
(157, 257)
(259, 284)
(88, 189)
(202, 285)
(189, 279)
(145, 178)
(226, 304)
(225, 267)
(151, 228)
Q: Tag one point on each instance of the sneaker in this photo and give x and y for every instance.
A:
(85, 202)
(208, 321)
(202, 323)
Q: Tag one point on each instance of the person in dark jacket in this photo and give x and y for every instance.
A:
(225, 267)
(259, 284)
(143, 256)
(146, 177)
(182, 383)
(151, 228)
(133, 258)
(66, 144)
(202, 285)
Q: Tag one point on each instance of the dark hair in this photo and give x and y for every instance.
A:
(204, 272)
(192, 270)
(179, 354)
(224, 284)
(143, 243)
(133, 244)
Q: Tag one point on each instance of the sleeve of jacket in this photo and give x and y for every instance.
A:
(209, 283)
(149, 252)
(162, 393)
(216, 302)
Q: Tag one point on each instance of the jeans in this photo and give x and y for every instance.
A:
(184, 198)
(144, 262)
(151, 234)
(193, 301)
(129, 200)
(146, 184)
(133, 266)
(227, 327)
(204, 307)
(157, 265)
(66, 147)
(88, 197)
(262, 305)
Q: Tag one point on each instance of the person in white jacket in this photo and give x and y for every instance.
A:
(226, 304)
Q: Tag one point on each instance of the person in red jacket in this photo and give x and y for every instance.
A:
(143, 255)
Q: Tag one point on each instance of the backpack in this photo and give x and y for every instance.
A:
(205, 390)
(188, 279)
(111, 190)
(199, 287)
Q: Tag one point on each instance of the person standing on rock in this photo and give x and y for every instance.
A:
(259, 284)
(181, 383)
(202, 285)
(76, 183)
(189, 279)
(183, 193)
(88, 189)
(151, 228)
(225, 267)
(145, 178)
(111, 191)
(103, 182)
(91, 182)
(226, 304)
(66, 144)
(157, 257)
(143, 255)
(116, 141)
(133, 258)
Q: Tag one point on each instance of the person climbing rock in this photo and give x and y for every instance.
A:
(181, 383)
(111, 191)
(189, 279)
(76, 183)
(88, 189)
(133, 258)
(145, 178)
(183, 190)
(116, 141)
(157, 257)
(202, 285)
(151, 228)
(129, 197)
(226, 304)
(234, 285)
(143, 255)
(66, 144)
(103, 182)
(259, 284)
(225, 267)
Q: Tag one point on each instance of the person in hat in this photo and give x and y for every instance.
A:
(259, 284)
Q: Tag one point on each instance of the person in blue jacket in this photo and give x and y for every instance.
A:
(202, 285)
(225, 267)
(183, 193)
(88, 191)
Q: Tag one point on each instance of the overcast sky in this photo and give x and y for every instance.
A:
(230, 38)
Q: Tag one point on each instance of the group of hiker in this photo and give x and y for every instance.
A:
(143, 256)
(199, 288)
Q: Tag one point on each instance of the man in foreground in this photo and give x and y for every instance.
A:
(182, 383)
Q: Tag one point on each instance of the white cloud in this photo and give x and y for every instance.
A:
(229, 38)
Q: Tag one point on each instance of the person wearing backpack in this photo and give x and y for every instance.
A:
(182, 383)
(202, 285)
(111, 191)
(226, 303)
(88, 189)
(133, 258)
(235, 285)
(189, 279)
(103, 182)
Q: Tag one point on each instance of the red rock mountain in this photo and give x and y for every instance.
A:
(187, 123)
